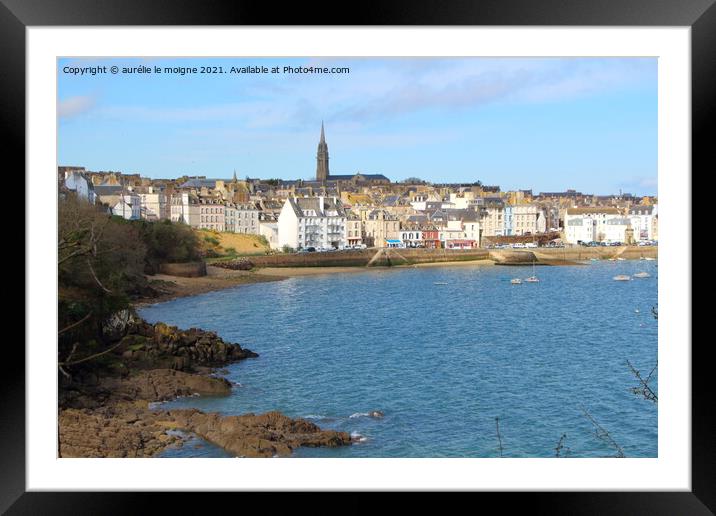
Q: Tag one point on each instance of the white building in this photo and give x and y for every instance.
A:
(242, 218)
(318, 222)
(184, 208)
(590, 225)
(269, 230)
(615, 229)
(77, 182)
(154, 204)
(642, 220)
(411, 238)
(472, 230)
(129, 207)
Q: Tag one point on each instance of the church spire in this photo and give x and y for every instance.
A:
(234, 175)
(322, 171)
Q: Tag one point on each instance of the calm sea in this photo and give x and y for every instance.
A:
(442, 361)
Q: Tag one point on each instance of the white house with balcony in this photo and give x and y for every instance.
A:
(642, 220)
(593, 224)
(318, 222)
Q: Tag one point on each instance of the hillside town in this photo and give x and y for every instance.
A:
(362, 210)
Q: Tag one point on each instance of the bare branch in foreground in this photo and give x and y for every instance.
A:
(603, 434)
(561, 446)
(644, 389)
(499, 437)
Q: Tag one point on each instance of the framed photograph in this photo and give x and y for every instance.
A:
(415, 253)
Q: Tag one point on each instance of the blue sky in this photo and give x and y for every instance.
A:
(542, 123)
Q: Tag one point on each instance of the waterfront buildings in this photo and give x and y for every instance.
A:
(594, 224)
(379, 226)
(317, 222)
(493, 219)
(367, 209)
(644, 222)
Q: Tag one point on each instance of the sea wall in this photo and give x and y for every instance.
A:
(361, 258)
(631, 252)
(187, 270)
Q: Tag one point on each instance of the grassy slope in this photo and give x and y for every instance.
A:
(222, 243)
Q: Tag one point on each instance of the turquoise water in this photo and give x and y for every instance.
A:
(442, 361)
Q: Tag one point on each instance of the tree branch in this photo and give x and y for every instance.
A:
(73, 325)
(89, 264)
(603, 434)
(91, 356)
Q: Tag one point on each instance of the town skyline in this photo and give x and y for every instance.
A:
(540, 124)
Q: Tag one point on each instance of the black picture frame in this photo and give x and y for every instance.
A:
(700, 15)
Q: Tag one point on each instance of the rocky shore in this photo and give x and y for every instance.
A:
(105, 406)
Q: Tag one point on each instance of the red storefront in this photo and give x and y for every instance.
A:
(431, 239)
(460, 244)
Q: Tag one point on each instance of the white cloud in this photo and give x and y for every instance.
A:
(73, 106)
(377, 89)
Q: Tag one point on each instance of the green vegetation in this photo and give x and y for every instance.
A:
(102, 262)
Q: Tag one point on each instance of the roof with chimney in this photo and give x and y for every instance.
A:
(311, 207)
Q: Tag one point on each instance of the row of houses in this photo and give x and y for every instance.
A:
(447, 216)
(606, 224)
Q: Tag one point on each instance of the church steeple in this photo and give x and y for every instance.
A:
(322, 171)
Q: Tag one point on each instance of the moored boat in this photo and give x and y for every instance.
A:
(516, 281)
(622, 277)
(642, 275)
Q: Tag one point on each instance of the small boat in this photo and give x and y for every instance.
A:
(642, 275)
(622, 277)
(594, 259)
(533, 278)
(440, 283)
(612, 259)
(621, 259)
(650, 259)
(516, 281)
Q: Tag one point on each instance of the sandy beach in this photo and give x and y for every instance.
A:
(172, 287)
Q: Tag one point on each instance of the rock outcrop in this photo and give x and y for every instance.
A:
(164, 346)
(116, 430)
(105, 407)
(264, 435)
(165, 384)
